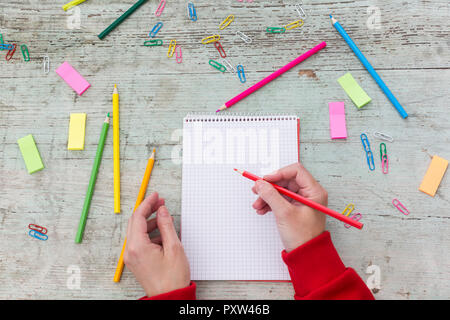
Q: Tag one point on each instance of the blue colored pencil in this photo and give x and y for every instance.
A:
(369, 68)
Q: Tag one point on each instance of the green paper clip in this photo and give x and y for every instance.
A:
(25, 53)
(276, 30)
(383, 151)
(217, 65)
(1, 42)
(153, 43)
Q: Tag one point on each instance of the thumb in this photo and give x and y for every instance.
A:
(166, 228)
(270, 195)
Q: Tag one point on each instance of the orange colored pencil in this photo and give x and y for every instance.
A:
(140, 198)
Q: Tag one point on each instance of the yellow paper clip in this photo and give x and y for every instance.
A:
(348, 209)
(172, 46)
(211, 39)
(294, 24)
(225, 23)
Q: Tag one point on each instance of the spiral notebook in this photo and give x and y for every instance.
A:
(223, 237)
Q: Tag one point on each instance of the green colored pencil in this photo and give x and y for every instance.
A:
(94, 173)
(121, 18)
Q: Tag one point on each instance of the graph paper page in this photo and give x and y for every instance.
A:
(223, 237)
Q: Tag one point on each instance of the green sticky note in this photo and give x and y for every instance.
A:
(354, 91)
(30, 154)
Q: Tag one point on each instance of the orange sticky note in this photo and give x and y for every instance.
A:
(434, 175)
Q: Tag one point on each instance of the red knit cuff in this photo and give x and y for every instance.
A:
(187, 293)
(313, 264)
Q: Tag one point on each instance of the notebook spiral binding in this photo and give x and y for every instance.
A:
(237, 116)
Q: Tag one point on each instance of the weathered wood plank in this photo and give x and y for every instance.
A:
(411, 52)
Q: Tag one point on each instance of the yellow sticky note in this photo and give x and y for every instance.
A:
(77, 130)
(434, 175)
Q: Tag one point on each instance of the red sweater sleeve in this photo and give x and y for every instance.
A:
(318, 273)
(187, 293)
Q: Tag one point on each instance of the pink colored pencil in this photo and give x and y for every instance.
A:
(273, 76)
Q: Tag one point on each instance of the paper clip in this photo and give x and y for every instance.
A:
(356, 216)
(37, 228)
(369, 154)
(400, 207)
(383, 136)
(219, 48)
(11, 52)
(211, 39)
(294, 24)
(244, 37)
(160, 9)
(241, 73)
(229, 66)
(179, 54)
(25, 53)
(225, 23)
(275, 30)
(153, 43)
(192, 12)
(6, 46)
(46, 64)
(348, 209)
(217, 65)
(38, 235)
(155, 29)
(172, 46)
(300, 10)
(384, 158)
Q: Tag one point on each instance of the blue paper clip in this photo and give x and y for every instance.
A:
(369, 154)
(192, 12)
(155, 29)
(241, 73)
(6, 46)
(38, 235)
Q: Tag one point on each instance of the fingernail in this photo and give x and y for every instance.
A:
(163, 212)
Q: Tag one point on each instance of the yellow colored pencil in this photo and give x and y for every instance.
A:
(72, 4)
(140, 198)
(116, 150)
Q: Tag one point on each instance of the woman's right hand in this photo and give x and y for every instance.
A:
(297, 223)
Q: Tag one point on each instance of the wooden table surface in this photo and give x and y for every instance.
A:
(410, 50)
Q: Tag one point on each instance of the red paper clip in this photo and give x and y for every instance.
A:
(400, 207)
(356, 216)
(178, 54)
(11, 52)
(220, 49)
(37, 228)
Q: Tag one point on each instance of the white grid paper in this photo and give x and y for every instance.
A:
(223, 237)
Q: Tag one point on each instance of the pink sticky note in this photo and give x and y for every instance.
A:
(72, 78)
(338, 130)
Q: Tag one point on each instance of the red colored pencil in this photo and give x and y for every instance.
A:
(273, 76)
(307, 202)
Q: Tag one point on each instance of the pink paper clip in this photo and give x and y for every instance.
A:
(356, 216)
(385, 164)
(178, 54)
(160, 9)
(400, 207)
